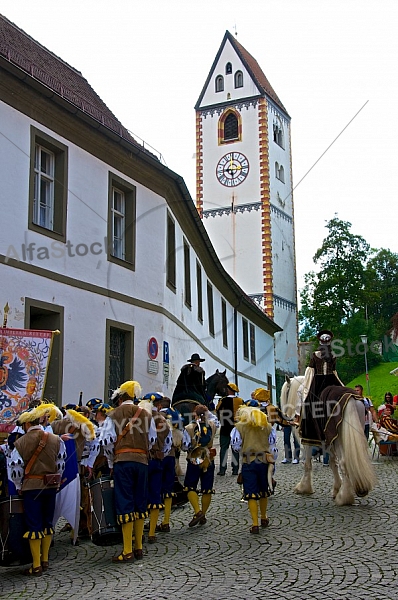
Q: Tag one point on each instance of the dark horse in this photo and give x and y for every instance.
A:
(216, 385)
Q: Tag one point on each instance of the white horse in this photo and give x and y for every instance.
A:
(349, 456)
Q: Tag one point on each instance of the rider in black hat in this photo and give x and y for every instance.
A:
(191, 381)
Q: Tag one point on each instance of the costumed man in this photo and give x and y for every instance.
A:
(157, 453)
(96, 463)
(250, 437)
(320, 373)
(171, 487)
(226, 411)
(198, 443)
(191, 381)
(127, 436)
(78, 427)
(37, 463)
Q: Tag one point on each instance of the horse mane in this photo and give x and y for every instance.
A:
(289, 394)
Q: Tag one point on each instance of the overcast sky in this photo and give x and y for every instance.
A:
(331, 62)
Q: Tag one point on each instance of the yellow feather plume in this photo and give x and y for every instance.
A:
(131, 388)
(81, 422)
(252, 416)
(43, 410)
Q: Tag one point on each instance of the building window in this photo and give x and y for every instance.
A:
(171, 253)
(119, 353)
(199, 291)
(118, 223)
(229, 127)
(245, 338)
(121, 221)
(48, 185)
(252, 344)
(278, 134)
(187, 275)
(238, 79)
(280, 172)
(219, 83)
(224, 323)
(210, 308)
(228, 68)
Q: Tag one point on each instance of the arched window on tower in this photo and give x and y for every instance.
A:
(228, 68)
(280, 172)
(278, 133)
(219, 83)
(238, 79)
(229, 127)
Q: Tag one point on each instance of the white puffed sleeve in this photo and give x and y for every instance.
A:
(16, 468)
(236, 440)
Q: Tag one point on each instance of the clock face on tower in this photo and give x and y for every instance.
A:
(232, 169)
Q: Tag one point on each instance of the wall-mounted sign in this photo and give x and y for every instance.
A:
(166, 356)
(153, 348)
(153, 367)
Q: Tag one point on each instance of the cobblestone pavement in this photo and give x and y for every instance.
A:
(312, 550)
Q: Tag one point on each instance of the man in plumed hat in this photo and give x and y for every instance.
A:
(37, 464)
(191, 381)
(128, 433)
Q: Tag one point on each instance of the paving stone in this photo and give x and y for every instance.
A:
(312, 550)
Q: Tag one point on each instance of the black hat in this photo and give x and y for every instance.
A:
(325, 336)
(195, 357)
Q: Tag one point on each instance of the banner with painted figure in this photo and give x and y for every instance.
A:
(24, 358)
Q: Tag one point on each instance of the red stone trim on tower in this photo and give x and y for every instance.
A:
(266, 207)
(199, 164)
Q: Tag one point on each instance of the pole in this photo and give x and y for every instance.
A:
(367, 374)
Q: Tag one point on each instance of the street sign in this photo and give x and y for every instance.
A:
(166, 357)
(153, 348)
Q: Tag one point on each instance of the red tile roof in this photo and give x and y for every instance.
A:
(256, 71)
(34, 59)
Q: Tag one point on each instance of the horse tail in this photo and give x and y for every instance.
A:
(356, 454)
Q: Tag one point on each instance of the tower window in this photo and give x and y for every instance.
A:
(238, 79)
(280, 172)
(219, 83)
(278, 134)
(228, 68)
(231, 127)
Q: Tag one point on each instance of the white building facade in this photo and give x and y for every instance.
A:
(101, 241)
(244, 188)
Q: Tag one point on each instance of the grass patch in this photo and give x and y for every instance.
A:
(380, 382)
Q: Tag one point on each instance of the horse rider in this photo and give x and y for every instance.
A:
(320, 373)
(191, 381)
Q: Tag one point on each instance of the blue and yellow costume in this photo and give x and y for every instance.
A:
(198, 442)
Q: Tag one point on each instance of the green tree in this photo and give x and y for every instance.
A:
(381, 284)
(336, 292)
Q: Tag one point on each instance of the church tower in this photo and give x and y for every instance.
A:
(244, 188)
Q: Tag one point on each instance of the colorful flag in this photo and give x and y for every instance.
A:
(67, 503)
(24, 357)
